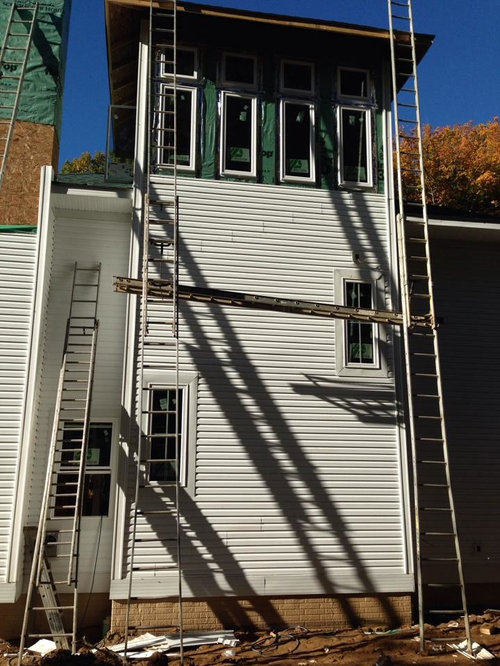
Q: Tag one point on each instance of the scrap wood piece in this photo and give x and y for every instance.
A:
(479, 653)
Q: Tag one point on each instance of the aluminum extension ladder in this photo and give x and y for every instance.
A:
(13, 58)
(56, 550)
(439, 562)
(159, 409)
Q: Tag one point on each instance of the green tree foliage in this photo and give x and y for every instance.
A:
(86, 163)
(462, 166)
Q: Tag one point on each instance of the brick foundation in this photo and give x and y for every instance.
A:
(263, 612)
(92, 614)
(33, 145)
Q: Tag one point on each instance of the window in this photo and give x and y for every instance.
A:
(238, 134)
(354, 138)
(360, 346)
(239, 70)
(97, 480)
(353, 83)
(297, 141)
(187, 62)
(360, 337)
(166, 434)
(297, 77)
(186, 127)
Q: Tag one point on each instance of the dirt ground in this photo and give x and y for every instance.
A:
(299, 647)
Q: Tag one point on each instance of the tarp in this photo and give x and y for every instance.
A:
(42, 91)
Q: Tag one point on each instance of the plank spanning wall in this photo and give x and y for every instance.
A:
(296, 484)
(88, 237)
(17, 270)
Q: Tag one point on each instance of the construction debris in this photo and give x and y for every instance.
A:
(43, 646)
(144, 646)
(479, 653)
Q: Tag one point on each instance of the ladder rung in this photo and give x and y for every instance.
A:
(456, 611)
(51, 608)
(51, 634)
(439, 534)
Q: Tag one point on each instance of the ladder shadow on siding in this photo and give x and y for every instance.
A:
(369, 404)
(269, 466)
(201, 578)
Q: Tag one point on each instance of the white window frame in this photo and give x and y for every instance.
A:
(379, 366)
(188, 384)
(187, 77)
(230, 83)
(312, 134)
(225, 94)
(296, 91)
(374, 326)
(193, 125)
(340, 142)
(353, 97)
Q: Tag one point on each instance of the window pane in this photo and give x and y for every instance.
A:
(297, 135)
(184, 127)
(238, 133)
(96, 486)
(354, 146)
(96, 495)
(359, 342)
(297, 76)
(238, 69)
(163, 434)
(353, 83)
(186, 62)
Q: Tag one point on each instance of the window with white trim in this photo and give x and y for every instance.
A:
(297, 141)
(353, 83)
(169, 427)
(354, 140)
(97, 479)
(166, 434)
(360, 346)
(238, 140)
(297, 77)
(360, 338)
(239, 70)
(186, 62)
(186, 126)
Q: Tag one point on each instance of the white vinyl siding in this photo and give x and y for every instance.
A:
(17, 270)
(298, 477)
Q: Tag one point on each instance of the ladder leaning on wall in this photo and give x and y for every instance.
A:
(157, 483)
(54, 569)
(439, 562)
(13, 60)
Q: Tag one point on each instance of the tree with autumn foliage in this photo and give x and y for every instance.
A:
(461, 165)
(86, 163)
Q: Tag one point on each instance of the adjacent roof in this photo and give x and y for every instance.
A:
(123, 25)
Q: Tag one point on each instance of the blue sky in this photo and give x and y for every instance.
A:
(459, 77)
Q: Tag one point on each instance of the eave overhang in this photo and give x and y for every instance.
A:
(123, 18)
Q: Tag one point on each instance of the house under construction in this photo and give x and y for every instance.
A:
(222, 395)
